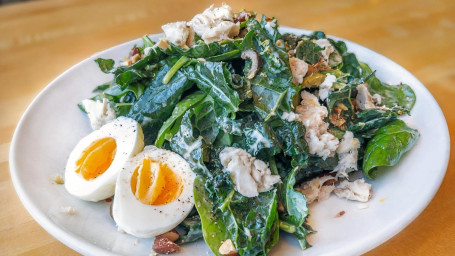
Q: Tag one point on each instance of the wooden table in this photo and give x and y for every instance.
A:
(39, 40)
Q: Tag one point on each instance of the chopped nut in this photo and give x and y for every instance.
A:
(342, 106)
(68, 210)
(164, 246)
(134, 51)
(337, 110)
(58, 179)
(172, 235)
(242, 16)
(228, 248)
(340, 214)
(253, 56)
(337, 120)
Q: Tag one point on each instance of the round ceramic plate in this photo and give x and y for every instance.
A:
(53, 124)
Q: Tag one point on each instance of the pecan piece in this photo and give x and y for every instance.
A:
(172, 235)
(165, 246)
(228, 248)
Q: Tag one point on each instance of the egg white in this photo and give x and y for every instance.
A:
(141, 220)
(129, 139)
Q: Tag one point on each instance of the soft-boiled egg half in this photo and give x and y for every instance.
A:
(94, 164)
(154, 193)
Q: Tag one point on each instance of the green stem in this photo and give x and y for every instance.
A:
(287, 227)
(227, 201)
(182, 61)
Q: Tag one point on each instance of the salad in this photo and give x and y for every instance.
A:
(226, 130)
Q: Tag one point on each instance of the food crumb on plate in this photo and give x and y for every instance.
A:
(68, 210)
(136, 242)
(341, 213)
(382, 199)
(58, 179)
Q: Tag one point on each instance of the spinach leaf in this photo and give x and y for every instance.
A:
(158, 101)
(393, 95)
(214, 79)
(214, 228)
(388, 146)
(106, 65)
(181, 107)
(308, 51)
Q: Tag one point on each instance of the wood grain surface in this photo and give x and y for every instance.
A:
(41, 39)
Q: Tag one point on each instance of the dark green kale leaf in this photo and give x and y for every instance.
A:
(309, 52)
(156, 104)
(296, 209)
(260, 140)
(232, 49)
(271, 87)
(181, 107)
(190, 148)
(200, 50)
(371, 119)
(192, 230)
(388, 146)
(292, 138)
(257, 220)
(214, 79)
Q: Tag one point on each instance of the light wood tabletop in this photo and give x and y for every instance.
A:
(41, 39)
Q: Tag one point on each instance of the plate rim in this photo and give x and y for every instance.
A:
(82, 246)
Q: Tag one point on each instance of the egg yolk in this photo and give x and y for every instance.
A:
(96, 158)
(154, 183)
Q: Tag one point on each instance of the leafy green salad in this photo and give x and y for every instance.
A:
(269, 122)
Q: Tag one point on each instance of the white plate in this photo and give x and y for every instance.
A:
(53, 124)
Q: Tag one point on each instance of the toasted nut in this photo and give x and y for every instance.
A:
(340, 214)
(242, 16)
(337, 110)
(228, 248)
(164, 246)
(134, 51)
(172, 235)
(58, 179)
(256, 62)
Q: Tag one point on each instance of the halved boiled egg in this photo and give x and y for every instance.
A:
(94, 164)
(154, 193)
